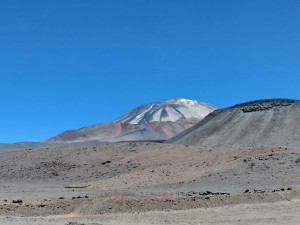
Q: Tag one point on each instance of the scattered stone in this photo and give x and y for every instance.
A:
(17, 201)
(213, 193)
(269, 190)
(259, 191)
(190, 194)
(168, 200)
(224, 193)
(74, 223)
(79, 186)
(106, 162)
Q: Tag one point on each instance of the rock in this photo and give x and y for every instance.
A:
(224, 193)
(17, 201)
(106, 162)
(74, 223)
(212, 193)
(259, 191)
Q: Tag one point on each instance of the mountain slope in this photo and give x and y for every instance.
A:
(172, 110)
(270, 122)
(155, 121)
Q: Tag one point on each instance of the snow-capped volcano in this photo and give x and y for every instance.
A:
(155, 121)
(172, 110)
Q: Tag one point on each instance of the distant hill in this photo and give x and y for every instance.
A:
(270, 122)
(155, 121)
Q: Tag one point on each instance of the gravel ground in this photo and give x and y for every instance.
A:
(150, 183)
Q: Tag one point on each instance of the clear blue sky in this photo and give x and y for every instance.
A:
(66, 64)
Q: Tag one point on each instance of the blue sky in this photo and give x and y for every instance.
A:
(68, 64)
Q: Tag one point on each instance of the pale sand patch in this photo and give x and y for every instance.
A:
(285, 212)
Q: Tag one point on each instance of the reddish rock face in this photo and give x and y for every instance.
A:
(155, 121)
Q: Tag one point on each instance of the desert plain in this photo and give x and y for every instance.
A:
(149, 183)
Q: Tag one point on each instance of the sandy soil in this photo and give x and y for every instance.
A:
(150, 183)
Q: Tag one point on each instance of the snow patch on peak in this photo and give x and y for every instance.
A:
(171, 115)
(171, 110)
(182, 101)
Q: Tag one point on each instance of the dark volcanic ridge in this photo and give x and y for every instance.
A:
(269, 122)
(264, 104)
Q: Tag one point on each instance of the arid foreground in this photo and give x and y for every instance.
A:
(150, 183)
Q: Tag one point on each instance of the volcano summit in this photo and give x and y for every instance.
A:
(155, 121)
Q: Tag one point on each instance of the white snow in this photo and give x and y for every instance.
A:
(182, 101)
(196, 112)
(156, 115)
(172, 115)
(176, 108)
(140, 116)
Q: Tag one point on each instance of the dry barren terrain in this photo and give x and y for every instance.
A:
(150, 183)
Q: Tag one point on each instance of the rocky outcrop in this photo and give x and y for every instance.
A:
(261, 105)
